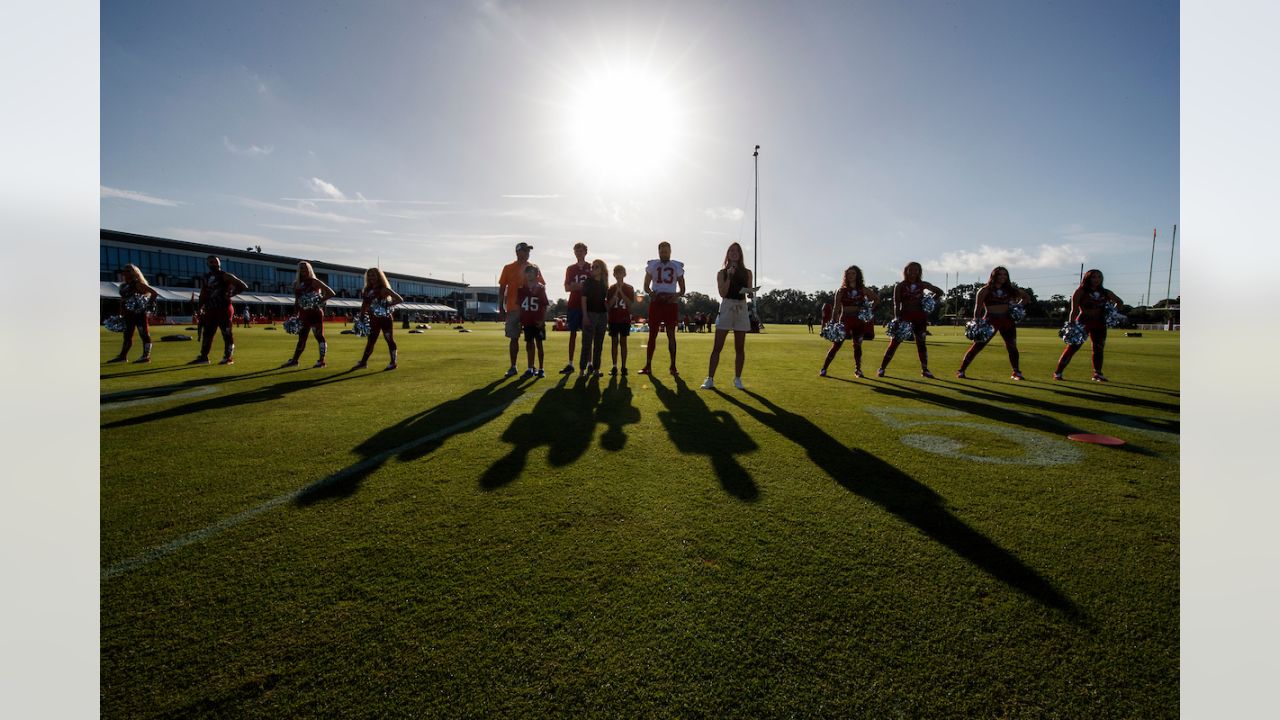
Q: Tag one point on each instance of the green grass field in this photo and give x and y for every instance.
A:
(440, 542)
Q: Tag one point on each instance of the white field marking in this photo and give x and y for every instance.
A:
(192, 393)
(149, 556)
(1037, 449)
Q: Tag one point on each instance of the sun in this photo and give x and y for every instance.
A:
(623, 125)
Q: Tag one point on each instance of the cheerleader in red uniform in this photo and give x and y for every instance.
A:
(907, 298)
(992, 304)
(1087, 307)
(135, 293)
(217, 287)
(850, 299)
(312, 318)
(379, 298)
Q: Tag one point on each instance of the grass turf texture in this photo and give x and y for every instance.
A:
(894, 547)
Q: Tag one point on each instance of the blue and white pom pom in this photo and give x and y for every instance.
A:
(1017, 312)
(380, 308)
(1112, 316)
(833, 331)
(115, 323)
(361, 326)
(292, 325)
(899, 330)
(136, 303)
(929, 302)
(979, 330)
(867, 313)
(1073, 333)
(311, 300)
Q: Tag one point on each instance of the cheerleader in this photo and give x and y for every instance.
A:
(907, 298)
(135, 294)
(312, 318)
(378, 295)
(850, 300)
(1087, 307)
(992, 304)
(733, 282)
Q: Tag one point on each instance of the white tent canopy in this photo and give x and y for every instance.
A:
(112, 290)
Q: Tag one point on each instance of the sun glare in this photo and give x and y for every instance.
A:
(623, 126)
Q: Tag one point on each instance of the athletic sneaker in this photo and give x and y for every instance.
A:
(567, 369)
(511, 371)
(527, 373)
(613, 372)
(822, 372)
(707, 384)
(390, 366)
(588, 370)
(227, 361)
(624, 369)
(1057, 376)
(201, 360)
(857, 372)
(926, 374)
(360, 365)
(879, 372)
(540, 373)
(960, 375)
(116, 359)
(674, 371)
(1016, 375)
(319, 363)
(643, 371)
(143, 360)
(290, 363)
(737, 382)
(1099, 377)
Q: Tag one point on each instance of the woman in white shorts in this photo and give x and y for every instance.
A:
(734, 283)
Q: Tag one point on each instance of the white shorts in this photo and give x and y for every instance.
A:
(733, 315)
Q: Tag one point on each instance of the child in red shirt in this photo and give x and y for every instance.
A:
(532, 299)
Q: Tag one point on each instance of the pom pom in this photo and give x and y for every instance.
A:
(928, 303)
(311, 300)
(1112, 316)
(115, 323)
(979, 330)
(833, 331)
(1017, 312)
(136, 303)
(1073, 333)
(361, 326)
(292, 325)
(866, 314)
(380, 308)
(899, 330)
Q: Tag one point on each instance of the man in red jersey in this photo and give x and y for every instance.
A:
(217, 287)
(574, 276)
(664, 285)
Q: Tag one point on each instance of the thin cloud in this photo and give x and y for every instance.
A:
(987, 257)
(301, 212)
(532, 197)
(723, 213)
(300, 228)
(110, 192)
(327, 189)
(251, 151)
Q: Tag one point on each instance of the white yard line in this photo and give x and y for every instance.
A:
(149, 556)
(192, 393)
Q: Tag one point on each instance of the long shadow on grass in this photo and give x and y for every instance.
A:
(615, 412)
(162, 390)
(695, 430)
(1106, 397)
(267, 393)
(416, 436)
(870, 477)
(564, 420)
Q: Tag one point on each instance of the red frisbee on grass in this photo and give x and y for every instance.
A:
(1095, 439)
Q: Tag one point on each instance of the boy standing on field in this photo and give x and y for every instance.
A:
(574, 276)
(533, 314)
(621, 295)
(664, 285)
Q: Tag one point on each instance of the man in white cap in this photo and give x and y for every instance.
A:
(509, 284)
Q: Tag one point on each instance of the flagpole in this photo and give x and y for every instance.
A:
(755, 252)
(1168, 288)
(1151, 266)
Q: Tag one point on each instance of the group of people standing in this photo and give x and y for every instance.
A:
(215, 312)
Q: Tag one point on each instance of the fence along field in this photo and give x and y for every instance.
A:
(438, 541)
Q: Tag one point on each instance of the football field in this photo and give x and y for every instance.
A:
(439, 541)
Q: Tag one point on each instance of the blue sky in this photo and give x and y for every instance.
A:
(431, 137)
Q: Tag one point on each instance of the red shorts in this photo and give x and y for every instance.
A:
(312, 317)
(663, 312)
(216, 317)
(1000, 322)
(855, 329)
(919, 320)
